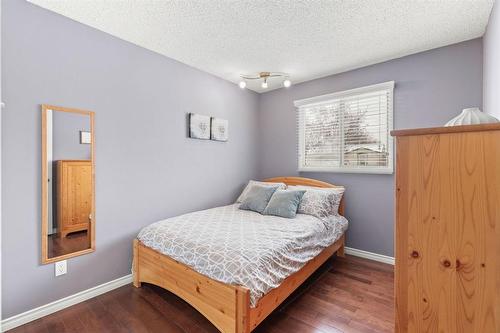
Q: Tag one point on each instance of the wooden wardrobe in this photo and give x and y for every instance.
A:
(448, 229)
(74, 195)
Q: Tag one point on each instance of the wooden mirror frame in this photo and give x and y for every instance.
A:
(44, 233)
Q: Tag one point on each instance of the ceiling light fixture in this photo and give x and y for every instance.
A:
(265, 76)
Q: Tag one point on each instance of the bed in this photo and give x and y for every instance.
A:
(243, 266)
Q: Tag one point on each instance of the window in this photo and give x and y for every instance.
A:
(347, 131)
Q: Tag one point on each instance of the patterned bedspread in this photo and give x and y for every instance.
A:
(242, 247)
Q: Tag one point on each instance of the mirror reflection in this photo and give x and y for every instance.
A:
(69, 192)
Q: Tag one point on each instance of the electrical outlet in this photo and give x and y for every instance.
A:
(61, 267)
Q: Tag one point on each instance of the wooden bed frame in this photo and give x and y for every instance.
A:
(226, 306)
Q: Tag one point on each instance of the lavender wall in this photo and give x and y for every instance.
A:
(146, 167)
(66, 129)
(431, 87)
(491, 80)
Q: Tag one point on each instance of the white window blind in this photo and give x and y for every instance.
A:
(348, 131)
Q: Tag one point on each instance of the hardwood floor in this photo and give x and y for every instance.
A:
(74, 242)
(345, 295)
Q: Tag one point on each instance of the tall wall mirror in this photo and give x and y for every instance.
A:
(68, 223)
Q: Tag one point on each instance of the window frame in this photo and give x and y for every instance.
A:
(328, 98)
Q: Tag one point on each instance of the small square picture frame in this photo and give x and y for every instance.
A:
(199, 126)
(85, 137)
(219, 129)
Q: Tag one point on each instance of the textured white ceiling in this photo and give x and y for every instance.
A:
(308, 39)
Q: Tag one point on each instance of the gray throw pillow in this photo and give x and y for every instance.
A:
(284, 203)
(321, 202)
(251, 183)
(257, 198)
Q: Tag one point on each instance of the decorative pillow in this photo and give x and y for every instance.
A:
(254, 182)
(257, 198)
(320, 202)
(284, 203)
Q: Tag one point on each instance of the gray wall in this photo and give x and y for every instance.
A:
(146, 167)
(491, 80)
(431, 87)
(66, 129)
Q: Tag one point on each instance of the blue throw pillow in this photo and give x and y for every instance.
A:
(284, 203)
(257, 198)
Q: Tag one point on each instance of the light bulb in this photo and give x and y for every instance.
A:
(264, 85)
(287, 83)
(242, 84)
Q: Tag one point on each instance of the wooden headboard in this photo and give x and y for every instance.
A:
(306, 182)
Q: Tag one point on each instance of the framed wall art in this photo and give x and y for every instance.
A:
(199, 126)
(219, 129)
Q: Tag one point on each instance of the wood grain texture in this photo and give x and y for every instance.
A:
(300, 181)
(350, 295)
(74, 195)
(242, 310)
(45, 186)
(447, 242)
(217, 301)
(477, 183)
(401, 231)
(135, 264)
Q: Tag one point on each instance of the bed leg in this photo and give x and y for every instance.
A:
(135, 264)
(341, 250)
(242, 310)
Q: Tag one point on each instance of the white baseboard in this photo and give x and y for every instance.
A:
(369, 255)
(63, 303)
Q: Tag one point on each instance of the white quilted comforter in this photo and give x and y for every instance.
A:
(242, 247)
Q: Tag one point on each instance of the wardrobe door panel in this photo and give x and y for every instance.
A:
(429, 251)
(79, 194)
(75, 196)
(472, 161)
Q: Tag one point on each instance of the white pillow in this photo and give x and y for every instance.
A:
(320, 202)
(243, 195)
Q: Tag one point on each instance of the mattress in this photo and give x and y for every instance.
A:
(241, 247)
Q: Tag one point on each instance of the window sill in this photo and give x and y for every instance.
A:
(376, 171)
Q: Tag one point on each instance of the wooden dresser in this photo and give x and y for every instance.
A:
(448, 229)
(74, 195)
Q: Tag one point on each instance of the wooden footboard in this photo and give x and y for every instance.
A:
(226, 306)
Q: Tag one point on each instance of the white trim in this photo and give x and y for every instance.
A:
(374, 170)
(63, 303)
(324, 98)
(370, 255)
